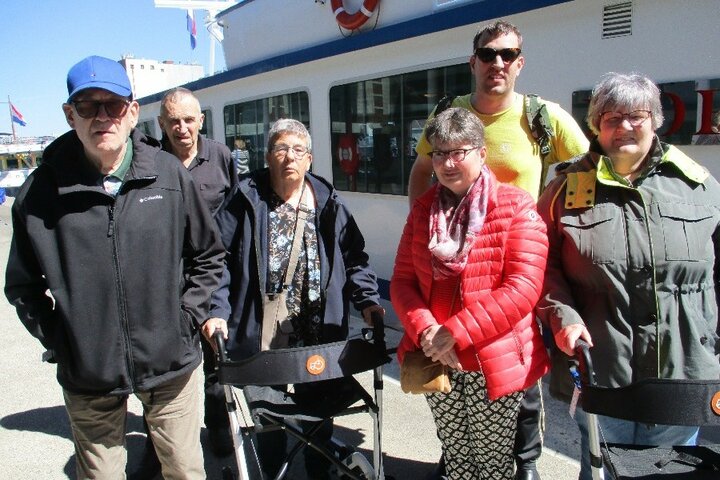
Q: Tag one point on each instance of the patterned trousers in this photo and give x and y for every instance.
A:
(477, 435)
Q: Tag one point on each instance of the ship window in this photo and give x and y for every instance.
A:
(251, 121)
(375, 125)
(207, 129)
(147, 127)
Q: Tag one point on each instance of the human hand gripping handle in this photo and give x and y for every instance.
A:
(211, 326)
(369, 312)
(567, 337)
(438, 343)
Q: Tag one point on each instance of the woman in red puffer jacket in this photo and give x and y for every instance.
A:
(468, 272)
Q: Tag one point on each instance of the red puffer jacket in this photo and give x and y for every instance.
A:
(494, 325)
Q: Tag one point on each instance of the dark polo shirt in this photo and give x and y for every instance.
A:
(212, 169)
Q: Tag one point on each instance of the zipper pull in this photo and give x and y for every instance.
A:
(111, 222)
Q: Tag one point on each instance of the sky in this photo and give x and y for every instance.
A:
(42, 39)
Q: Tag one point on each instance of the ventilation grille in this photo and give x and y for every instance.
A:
(617, 20)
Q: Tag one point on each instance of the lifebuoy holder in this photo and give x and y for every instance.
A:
(348, 154)
(357, 19)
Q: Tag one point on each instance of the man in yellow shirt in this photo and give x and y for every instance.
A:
(514, 156)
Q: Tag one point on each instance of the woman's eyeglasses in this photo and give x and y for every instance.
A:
(635, 118)
(456, 155)
(90, 108)
(487, 54)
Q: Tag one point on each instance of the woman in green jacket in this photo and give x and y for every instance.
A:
(634, 232)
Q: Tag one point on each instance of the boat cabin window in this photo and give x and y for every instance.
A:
(375, 125)
(250, 121)
(147, 127)
(207, 129)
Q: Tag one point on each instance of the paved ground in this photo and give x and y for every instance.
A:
(35, 440)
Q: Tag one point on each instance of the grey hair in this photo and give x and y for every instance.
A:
(494, 30)
(624, 91)
(455, 126)
(288, 126)
(173, 95)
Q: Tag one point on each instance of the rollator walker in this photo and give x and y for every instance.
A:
(273, 409)
(650, 401)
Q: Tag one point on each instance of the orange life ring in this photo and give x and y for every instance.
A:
(351, 22)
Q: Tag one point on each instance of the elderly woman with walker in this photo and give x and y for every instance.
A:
(634, 231)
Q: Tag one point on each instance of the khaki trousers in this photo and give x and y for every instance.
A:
(172, 411)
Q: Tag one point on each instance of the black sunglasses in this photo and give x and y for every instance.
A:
(90, 108)
(487, 54)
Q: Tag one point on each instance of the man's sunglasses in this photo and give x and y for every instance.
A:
(90, 108)
(487, 54)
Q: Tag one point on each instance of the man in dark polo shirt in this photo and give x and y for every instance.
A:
(209, 162)
(211, 166)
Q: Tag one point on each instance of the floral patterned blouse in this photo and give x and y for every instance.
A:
(303, 301)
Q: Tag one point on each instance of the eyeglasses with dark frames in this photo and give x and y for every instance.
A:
(635, 118)
(487, 54)
(456, 155)
(90, 108)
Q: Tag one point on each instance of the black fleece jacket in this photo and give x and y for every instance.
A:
(130, 277)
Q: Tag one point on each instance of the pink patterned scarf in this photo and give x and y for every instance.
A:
(453, 226)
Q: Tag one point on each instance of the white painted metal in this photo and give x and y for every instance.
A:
(563, 48)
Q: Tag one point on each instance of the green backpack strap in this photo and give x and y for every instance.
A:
(539, 121)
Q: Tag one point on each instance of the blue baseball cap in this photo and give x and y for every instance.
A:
(98, 72)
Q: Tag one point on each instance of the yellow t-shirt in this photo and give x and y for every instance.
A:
(514, 155)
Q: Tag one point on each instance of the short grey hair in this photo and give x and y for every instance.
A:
(173, 95)
(455, 126)
(286, 126)
(624, 91)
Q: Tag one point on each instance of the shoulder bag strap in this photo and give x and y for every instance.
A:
(303, 211)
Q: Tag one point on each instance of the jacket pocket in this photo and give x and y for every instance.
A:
(188, 328)
(687, 230)
(595, 233)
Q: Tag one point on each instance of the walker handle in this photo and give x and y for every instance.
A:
(582, 352)
(220, 344)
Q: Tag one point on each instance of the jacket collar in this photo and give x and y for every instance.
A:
(661, 153)
(257, 186)
(66, 158)
(595, 168)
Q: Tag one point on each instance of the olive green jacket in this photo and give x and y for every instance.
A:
(637, 265)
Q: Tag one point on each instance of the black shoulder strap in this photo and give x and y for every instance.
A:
(539, 121)
(444, 104)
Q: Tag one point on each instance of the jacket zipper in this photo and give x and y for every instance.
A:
(261, 284)
(111, 220)
(120, 294)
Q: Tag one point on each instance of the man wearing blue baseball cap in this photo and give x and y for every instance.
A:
(113, 260)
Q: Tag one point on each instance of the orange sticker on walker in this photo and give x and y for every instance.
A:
(315, 365)
(715, 403)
